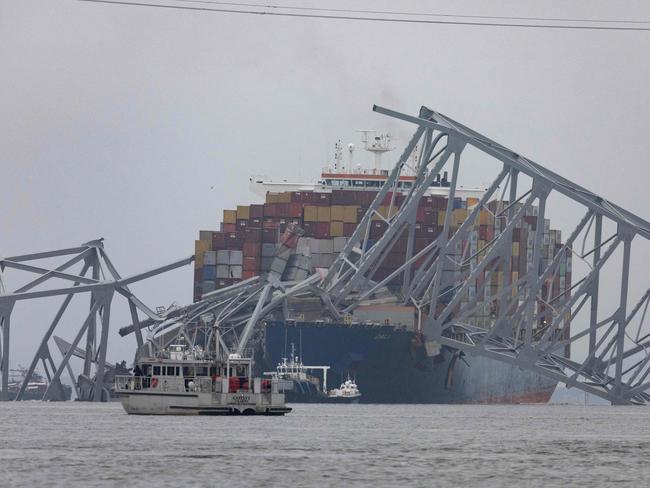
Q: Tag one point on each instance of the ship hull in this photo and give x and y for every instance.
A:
(391, 366)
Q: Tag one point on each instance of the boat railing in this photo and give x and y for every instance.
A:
(199, 384)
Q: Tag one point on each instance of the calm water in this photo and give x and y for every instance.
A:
(77, 444)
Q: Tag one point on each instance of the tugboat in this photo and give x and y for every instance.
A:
(296, 383)
(178, 381)
(348, 392)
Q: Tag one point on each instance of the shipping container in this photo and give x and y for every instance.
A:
(310, 213)
(229, 216)
(243, 212)
(336, 229)
(252, 248)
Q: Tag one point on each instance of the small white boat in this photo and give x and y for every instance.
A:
(348, 392)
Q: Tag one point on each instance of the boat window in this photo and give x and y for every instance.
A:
(178, 370)
(373, 184)
(156, 370)
(358, 183)
(406, 184)
(146, 369)
(202, 371)
(188, 371)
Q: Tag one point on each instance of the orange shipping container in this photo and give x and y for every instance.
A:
(349, 214)
(199, 248)
(243, 212)
(324, 214)
(311, 213)
(485, 218)
(336, 229)
(229, 216)
(337, 213)
(284, 197)
(460, 214)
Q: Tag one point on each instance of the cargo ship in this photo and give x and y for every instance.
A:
(380, 344)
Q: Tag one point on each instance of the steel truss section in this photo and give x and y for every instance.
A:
(526, 328)
(91, 340)
(530, 321)
(529, 324)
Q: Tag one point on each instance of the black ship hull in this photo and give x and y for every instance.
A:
(391, 365)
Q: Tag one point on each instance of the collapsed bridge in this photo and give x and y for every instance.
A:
(572, 334)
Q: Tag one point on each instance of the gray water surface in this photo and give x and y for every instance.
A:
(76, 444)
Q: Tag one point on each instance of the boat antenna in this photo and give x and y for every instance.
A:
(285, 340)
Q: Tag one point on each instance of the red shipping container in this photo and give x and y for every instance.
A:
(377, 229)
(342, 197)
(251, 263)
(322, 230)
(252, 234)
(270, 223)
(367, 197)
(256, 211)
(229, 227)
(248, 274)
(270, 210)
(310, 229)
(430, 216)
(348, 229)
(252, 249)
(388, 197)
(532, 221)
(439, 202)
(301, 197)
(295, 210)
(218, 240)
(322, 199)
(269, 236)
(426, 202)
(233, 240)
(282, 210)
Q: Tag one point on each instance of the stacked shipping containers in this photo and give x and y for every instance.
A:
(246, 242)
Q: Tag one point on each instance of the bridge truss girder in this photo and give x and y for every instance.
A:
(617, 363)
(94, 330)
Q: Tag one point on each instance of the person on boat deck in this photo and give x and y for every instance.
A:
(137, 371)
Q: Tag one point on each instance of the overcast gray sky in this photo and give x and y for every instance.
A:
(140, 125)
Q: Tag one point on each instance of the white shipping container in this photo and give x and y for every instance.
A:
(223, 257)
(278, 265)
(268, 250)
(223, 271)
(210, 258)
(236, 258)
(339, 243)
(235, 272)
(265, 263)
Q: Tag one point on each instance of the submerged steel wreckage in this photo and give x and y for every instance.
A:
(531, 326)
